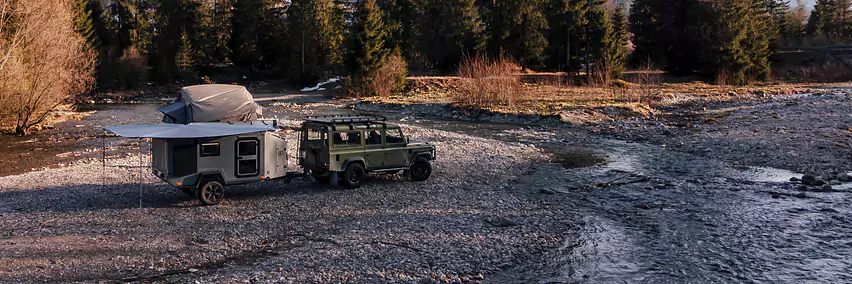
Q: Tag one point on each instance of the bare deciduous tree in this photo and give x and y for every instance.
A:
(44, 62)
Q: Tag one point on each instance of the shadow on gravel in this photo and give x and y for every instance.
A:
(94, 197)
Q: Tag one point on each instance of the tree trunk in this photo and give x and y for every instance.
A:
(21, 131)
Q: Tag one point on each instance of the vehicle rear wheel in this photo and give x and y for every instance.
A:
(211, 192)
(353, 176)
(421, 170)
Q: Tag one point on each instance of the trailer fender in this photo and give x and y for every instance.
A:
(217, 175)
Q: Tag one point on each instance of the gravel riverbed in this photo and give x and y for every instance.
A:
(700, 194)
(77, 224)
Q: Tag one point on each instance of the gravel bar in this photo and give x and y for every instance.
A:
(464, 224)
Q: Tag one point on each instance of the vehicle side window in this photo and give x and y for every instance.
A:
(374, 137)
(394, 136)
(343, 139)
(210, 149)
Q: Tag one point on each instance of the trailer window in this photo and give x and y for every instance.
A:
(247, 148)
(210, 149)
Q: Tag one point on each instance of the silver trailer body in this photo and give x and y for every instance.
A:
(227, 152)
(235, 159)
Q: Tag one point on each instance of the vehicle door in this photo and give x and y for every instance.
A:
(248, 163)
(313, 151)
(347, 144)
(373, 150)
(396, 154)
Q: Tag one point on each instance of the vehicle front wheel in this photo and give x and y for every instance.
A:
(421, 170)
(353, 176)
(211, 192)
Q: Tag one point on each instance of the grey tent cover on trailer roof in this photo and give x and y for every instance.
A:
(212, 103)
(192, 130)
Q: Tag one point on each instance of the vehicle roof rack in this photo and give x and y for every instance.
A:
(345, 118)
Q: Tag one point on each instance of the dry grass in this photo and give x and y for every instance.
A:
(486, 82)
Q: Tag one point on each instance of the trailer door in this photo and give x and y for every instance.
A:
(247, 157)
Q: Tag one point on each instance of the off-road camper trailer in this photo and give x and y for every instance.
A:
(201, 158)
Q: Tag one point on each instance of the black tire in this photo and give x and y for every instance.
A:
(211, 192)
(188, 190)
(421, 170)
(353, 176)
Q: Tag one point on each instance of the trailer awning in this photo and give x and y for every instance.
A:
(192, 130)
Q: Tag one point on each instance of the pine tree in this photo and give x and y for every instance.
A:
(516, 27)
(831, 19)
(315, 39)
(744, 41)
(567, 27)
(402, 18)
(649, 41)
(213, 33)
(792, 27)
(675, 34)
(615, 43)
(369, 37)
(166, 42)
(177, 37)
(84, 18)
(121, 24)
(454, 30)
(596, 40)
(252, 23)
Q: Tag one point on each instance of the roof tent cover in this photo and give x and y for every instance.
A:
(212, 103)
(192, 130)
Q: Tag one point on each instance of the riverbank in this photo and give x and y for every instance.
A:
(541, 201)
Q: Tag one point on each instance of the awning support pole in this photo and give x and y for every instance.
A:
(103, 161)
(140, 173)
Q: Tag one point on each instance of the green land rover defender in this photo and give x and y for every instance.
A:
(347, 148)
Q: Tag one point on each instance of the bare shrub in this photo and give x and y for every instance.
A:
(647, 82)
(489, 82)
(44, 61)
(388, 79)
(829, 71)
(600, 75)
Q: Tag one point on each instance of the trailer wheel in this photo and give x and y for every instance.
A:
(211, 192)
(353, 176)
